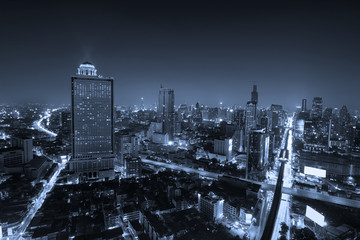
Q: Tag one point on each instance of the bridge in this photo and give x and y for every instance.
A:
(265, 186)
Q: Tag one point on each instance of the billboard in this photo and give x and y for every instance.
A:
(315, 171)
(248, 218)
(315, 216)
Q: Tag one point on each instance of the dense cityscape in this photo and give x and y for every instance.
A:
(93, 170)
(130, 155)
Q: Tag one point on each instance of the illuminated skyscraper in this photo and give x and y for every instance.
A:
(92, 127)
(317, 106)
(250, 117)
(166, 111)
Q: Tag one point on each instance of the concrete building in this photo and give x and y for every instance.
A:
(11, 159)
(92, 130)
(223, 147)
(133, 167)
(211, 206)
(317, 107)
(166, 111)
(258, 151)
(126, 145)
(303, 105)
(36, 167)
(26, 143)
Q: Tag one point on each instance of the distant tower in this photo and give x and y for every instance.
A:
(254, 100)
(254, 95)
(250, 119)
(26, 143)
(317, 106)
(166, 111)
(92, 127)
(329, 135)
(142, 107)
(303, 105)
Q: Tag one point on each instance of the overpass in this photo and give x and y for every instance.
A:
(265, 186)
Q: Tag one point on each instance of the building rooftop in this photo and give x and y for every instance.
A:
(37, 162)
(9, 149)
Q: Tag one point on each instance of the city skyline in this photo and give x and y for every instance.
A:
(207, 53)
(177, 120)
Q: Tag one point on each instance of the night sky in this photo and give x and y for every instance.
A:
(206, 51)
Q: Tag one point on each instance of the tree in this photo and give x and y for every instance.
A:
(284, 229)
(304, 234)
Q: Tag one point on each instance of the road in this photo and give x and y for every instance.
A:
(182, 168)
(38, 124)
(272, 217)
(322, 197)
(284, 208)
(266, 186)
(38, 202)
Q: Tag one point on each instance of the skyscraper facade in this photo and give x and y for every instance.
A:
(92, 127)
(316, 110)
(250, 116)
(303, 105)
(258, 152)
(250, 119)
(166, 111)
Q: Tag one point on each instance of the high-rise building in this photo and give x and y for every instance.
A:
(26, 143)
(303, 105)
(344, 116)
(133, 166)
(327, 114)
(92, 127)
(254, 95)
(250, 117)
(316, 110)
(126, 145)
(258, 152)
(224, 147)
(166, 111)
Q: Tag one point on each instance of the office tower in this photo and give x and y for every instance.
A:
(277, 116)
(344, 116)
(126, 145)
(224, 147)
(265, 123)
(92, 127)
(166, 111)
(327, 114)
(250, 121)
(254, 95)
(250, 117)
(303, 105)
(316, 110)
(329, 134)
(258, 152)
(10, 158)
(26, 144)
(133, 166)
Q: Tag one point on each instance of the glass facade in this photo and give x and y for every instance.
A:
(166, 111)
(92, 116)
